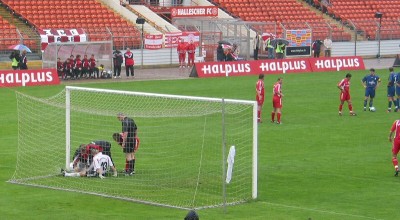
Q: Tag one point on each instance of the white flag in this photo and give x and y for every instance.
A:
(230, 160)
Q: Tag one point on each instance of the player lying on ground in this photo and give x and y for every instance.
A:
(99, 166)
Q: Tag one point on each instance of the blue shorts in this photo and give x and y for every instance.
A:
(370, 92)
(391, 91)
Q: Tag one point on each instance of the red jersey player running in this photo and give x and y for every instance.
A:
(344, 87)
(395, 129)
(277, 101)
(260, 96)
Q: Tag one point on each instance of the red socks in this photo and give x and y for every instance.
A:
(279, 117)
(272, 116)
(395, 163)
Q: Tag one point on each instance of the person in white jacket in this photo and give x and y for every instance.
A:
(328, 46)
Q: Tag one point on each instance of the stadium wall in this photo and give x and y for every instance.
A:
(366, 48)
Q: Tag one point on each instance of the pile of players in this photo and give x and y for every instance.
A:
(77, 68)
(94, 160)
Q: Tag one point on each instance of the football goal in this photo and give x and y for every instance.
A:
(194, 152)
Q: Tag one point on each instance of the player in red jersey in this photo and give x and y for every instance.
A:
(277, 101)
(395, 129)
(344, 87)
(85, 67)
(60, 68)
(78, 67)
(191, 50)
(260, 96)
(181, 49)
(93, 70)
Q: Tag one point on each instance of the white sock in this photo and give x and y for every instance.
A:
(72, 174)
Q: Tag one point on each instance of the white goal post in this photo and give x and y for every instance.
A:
(182, 159)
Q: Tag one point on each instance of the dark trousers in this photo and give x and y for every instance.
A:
(117, 70)
(130, 69)
(327, 52)
(256, 54)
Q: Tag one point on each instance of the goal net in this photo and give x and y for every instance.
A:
(185, 143)
(102, 51)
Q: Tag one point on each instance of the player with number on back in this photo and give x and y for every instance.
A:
(391, 90)
(102, 163)
(260, 96)
(370, 82)
(99, 163)
(344, 86)
(277, 101)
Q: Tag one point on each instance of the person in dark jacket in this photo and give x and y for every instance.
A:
(220, 53)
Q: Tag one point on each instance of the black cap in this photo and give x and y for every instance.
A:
(192, 215)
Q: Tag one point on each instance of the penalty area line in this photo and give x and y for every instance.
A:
(321, 211)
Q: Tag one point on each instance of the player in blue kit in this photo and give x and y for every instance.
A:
(398, 90)
(370, 82)
(391, 90)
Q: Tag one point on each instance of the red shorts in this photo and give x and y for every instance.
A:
(277, 102)
(344, 96)
(260, 100)
(182, 57)
(396, 146)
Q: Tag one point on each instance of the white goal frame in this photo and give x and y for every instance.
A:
(255, 123)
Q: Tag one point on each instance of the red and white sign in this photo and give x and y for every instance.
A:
(172, 39)
(194, 11)
(336, 63)
(278, 66)
(17, 78)
(61, 35)
(191, 36)
(153, 41)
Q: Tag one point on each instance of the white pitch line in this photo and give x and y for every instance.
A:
(321, 211)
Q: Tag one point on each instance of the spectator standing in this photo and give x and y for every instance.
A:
(191, 50)
(118, 59)
(256, 45)
(23, 62)
(280, 50)
(129, 62)
(316, 46)
(328, 46)
(220, 53)
(15, 59)
(270, 49)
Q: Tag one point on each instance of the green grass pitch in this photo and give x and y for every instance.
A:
(316, 165)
